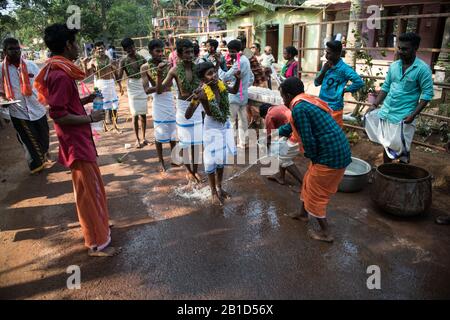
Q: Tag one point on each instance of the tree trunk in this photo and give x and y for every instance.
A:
(103, 20)
(354, 40)
(354, 32)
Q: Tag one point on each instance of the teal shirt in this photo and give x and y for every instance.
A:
(335, 82)
(405, 90)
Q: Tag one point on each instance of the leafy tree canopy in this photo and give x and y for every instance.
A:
(100, 19)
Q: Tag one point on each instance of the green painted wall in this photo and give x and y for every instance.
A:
(281, 18)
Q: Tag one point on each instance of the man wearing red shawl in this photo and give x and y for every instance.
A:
(28, 115)
(56, 85)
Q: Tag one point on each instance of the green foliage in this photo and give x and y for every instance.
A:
(369, 84)
(100, 19)
(228, 9)
(7, 22)
(445, 64)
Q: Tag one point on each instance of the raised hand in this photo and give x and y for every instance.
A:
(162, 66)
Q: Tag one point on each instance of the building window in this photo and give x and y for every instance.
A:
(294, 35)
(386, 36)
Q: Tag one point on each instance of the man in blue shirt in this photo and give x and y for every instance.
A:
(405, 93)
(213, 56)
(333, 80)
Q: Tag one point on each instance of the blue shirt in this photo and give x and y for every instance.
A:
(323, 140)
(222, 63)
(247, 79)
(405, 90)
(334, 83)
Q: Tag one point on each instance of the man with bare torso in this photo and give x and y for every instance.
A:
(105, 71)
(190, 131)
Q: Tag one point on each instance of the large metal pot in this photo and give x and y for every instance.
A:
(401, 189)
(356, 176)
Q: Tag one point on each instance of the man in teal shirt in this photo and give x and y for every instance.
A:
(334, 77)
(407, 90)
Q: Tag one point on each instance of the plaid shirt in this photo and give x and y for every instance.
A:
(323, 140)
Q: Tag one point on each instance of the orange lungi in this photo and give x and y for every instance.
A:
(338, 116)
(90, 199)
(319, 184)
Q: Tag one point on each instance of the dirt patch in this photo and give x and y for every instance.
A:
(176, 246)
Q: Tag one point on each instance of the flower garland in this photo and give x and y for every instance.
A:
(219, 111)
(153, 70)
(187, 86)
(102, 63)
(133, 68)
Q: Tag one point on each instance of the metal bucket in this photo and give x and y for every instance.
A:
(356, 176)
(401, 189)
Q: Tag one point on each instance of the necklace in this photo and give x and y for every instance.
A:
(133, 68)
(220, 111)
(187, 86)
(153, 71)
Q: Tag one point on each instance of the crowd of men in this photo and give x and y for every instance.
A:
(197, 97)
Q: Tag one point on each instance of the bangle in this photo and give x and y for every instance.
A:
(90, 116)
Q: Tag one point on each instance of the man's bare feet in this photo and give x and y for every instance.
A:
(138, 144)
(298, 216)
(107, 252)
(190, 178)
(277, 179)
(320, 236)
(223, 194)
(163, 168)
(199, 178)
(216, 200)
(145, 142)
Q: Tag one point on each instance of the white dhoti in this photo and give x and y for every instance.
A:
(396, 138)
(108, 89)
(137, 98)
(164, 117)
(190, 131)
(218, 139)
(288, 150)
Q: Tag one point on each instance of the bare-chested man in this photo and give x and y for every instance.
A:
(190, 131)
(137, 98)
(163, 111)
(105, 75)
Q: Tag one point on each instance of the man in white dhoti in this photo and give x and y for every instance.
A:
(137, 98)
(163, 111)
(405, 93)
(190, 131)
(104, 71)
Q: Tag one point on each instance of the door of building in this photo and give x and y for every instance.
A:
(272, 39)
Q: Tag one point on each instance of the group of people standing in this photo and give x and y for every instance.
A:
(211, 98)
